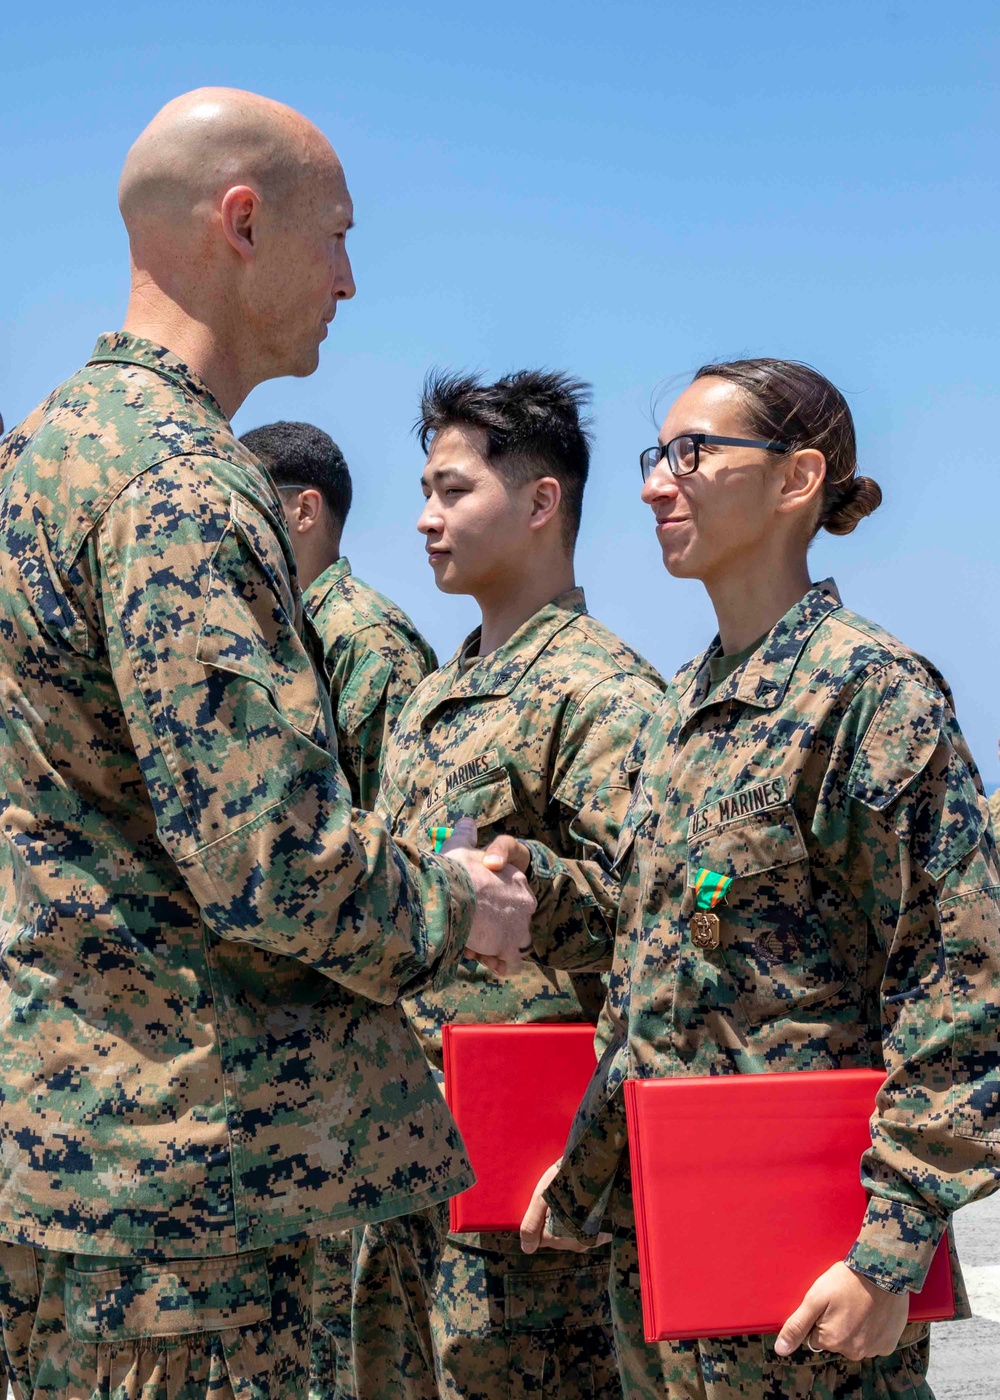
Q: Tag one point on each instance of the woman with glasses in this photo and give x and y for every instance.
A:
(813, 766)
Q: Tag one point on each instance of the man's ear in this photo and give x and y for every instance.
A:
(546, 497)
(802, 476)
(306, 510)
(240, 211)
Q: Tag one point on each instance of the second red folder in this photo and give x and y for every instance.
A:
(747, 1187)
(513, 1091)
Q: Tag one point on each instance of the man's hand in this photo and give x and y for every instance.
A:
(535, 1225)
(500, 932)
(507, 850)
(845, 1313)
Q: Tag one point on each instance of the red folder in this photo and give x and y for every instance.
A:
(513, 1091)
(747, 1188)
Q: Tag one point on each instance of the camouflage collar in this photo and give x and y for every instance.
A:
(764, 677)
(121, 348)
(499, 673)
(329, 578)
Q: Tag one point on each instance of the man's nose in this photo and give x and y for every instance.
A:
(429, 522)
(344, 286)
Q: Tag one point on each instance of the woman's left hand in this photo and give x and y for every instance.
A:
(846, 1313)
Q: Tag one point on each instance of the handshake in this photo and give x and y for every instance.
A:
(500, 934)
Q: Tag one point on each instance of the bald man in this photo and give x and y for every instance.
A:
(202, 1059)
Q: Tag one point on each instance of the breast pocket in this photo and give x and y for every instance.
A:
(772, 939)
(487, 798)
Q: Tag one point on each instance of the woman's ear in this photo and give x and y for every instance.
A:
(804, 473)
(546, 495)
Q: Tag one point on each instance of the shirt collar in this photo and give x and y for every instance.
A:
(764, 677)
(324, 582)
(499, 673)
(121, 348)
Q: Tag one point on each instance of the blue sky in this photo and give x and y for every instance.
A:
(620, 190)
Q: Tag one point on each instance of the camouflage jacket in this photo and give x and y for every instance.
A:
(375, 659)
(528, 740)
(199, 1051)
(828, 778)
(995, 809)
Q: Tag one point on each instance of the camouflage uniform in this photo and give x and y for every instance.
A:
(375, 658)
(995, 809)
(828, 777)
(527, 740)
(201, 1050)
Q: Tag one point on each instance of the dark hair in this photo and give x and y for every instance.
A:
(299, 454)
(534, 426)
(794, 402)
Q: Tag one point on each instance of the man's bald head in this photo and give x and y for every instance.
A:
(204, 143)
(237, 212)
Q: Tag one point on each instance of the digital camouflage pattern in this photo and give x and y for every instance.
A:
(194, 1329)
(528, 740)
(827, 776)
(375, 659)
(995, 810)
(200, 1048)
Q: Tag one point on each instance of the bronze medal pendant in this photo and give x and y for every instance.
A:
(704, 929)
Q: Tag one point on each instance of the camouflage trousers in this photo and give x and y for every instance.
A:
(435, 1317)
(331, 1372)
(743, 1368)
(78, 1327)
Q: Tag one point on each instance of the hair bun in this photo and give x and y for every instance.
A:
(859, 497)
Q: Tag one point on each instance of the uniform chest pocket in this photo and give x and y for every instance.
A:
(488, 798)
(773, 941)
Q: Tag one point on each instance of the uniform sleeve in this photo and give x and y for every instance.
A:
(601, 741)
(230, 727)
(904, 809)
(372, 684)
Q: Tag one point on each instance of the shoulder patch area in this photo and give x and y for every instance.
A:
(607, 647)
(900, 742)
(363, 691)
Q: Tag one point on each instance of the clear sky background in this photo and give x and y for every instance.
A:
(620, 190)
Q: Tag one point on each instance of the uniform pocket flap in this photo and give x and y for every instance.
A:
(748, 846)
(488, 799)
(562, 1296)
(636, 816)
(899, 744)
(166, 1300)
(363, 691)
(246, 630)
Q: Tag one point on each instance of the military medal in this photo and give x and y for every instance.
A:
(710, 889)
(704, 929)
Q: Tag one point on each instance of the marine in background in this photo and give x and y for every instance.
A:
(375, 658)
(525, 730)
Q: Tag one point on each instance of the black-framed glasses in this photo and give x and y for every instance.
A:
(295, 486)
(683, 453)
